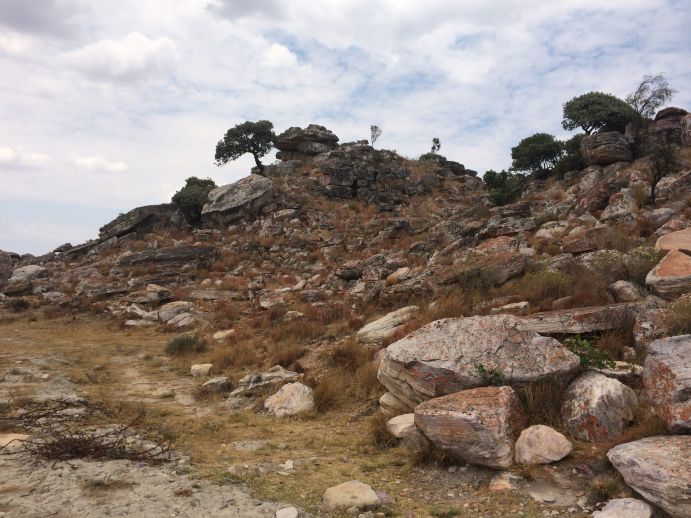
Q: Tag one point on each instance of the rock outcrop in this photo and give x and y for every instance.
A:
(303, 144)
(658, 468)
(142, 219)
(667, 381)
(597, 408)
(478, 426)
(605, 148)
(245, 198)
(450, 355)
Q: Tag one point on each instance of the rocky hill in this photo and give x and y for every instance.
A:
(391, 295)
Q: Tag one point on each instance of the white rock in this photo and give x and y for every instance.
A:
(403, 427)
(540, 444)
(219, 336)
(350, 494)
(287, 512)
(201, 369)
(170, 310)
(28, 273)
(625, 508)
(291, 399)
(386, 326)
(390, 405)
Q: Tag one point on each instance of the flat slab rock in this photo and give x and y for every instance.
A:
(672, 275)
(246, 196)
(450, 355)
(478, 426)
(581, 320)
(667, 381)
(680, 240)
(386, 326)
(658, 468)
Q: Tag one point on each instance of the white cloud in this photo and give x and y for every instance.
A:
(99, 163)
(7, 155)
(279, 56)
(132, 57)
(12, 157)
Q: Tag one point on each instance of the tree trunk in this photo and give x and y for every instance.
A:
(259, 164)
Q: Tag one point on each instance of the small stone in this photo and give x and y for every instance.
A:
(541, 444)
(625, 508)
(220, 336)
(350, 494)
(287, 512)
(201, 369)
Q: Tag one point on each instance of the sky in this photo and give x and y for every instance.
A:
(106, 106)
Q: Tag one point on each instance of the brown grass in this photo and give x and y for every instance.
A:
(678, 318)
(377, 434)
(542, 401)
(330, 391)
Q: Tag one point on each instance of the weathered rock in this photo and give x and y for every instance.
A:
(621, 209)
(350, 494)
(672, 275)
(485, 270)
(658, 468)
(287, 512)
(350, 271)
(142, 220)
(449, 355)
(28, 273)
(391, 406)
(680, 240)
(625, 291)
(201, 369)
(218, 385)
(648, 326)
(291, 399)
(399, 275)
(476, 426)
(403, 427)
(182, 255)
(667, 127)
(386, 326)
(270, 298)
(685, 129)
(584, 241)
(169, 311)
(581, 320)
(605, 148)
(597, 408)
(181, 320)
(667, 381)
(625, 508)
(297, 143)
(244, 198)
(540, 444)
(265, 382)
(220, 336)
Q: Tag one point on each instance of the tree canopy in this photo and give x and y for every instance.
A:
(597, 111)
(536, 154)
(652, 93)
(255, 138)
(192, 197)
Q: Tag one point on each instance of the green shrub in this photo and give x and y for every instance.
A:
(192, 197)
(590, 355)
(17, 305)
(537, 154)
(493, 376)
(597, 111)
(184, 344)
(504, 186)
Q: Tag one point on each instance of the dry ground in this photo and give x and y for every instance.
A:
(128, 371)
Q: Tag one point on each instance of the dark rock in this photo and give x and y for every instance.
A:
(142, 219)
(302, 144)
(605, 148)
(201, 255)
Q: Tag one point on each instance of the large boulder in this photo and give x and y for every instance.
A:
(667, 127)
(454, 354)
(262, 383)
(679, 240)
(28, 273)
(487, 270)
(291, 399)
(301, 144)
(142, 219)
(386, 326)
(478, 426)
(658, 468)
(540, 444)
(667, 381)
(672, 275)
(605, 148)
(245, 198)
(597, 408)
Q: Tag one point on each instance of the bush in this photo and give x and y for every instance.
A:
(432, 157)
(184, 344)
(589, 355)
(597, 111)
(542, 401)
(350, 356)
(537, 154)
(192, 197)
(377, 433)
(504, 186)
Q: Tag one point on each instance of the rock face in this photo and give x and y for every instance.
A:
(685, 129)
(625, 508)
(605, 148)
(386, 326)
(302, 144)
(667, 127)
(580, 320)
(476, 426)
(658, 468)
(597, 408)
(672, 275)
(667, 381)
(450, 355)
(540, 444)
(245, 198)
(141, 220)
(28, 273)
(350, 494)
(679, 240)
(291, 399)
(180, 255)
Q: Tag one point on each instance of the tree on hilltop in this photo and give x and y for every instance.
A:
(652, 93)
(597, 111)
(255, 138)
(536, 154)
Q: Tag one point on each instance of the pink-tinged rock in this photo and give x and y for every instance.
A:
(478, 426)
(672, 275)
(541, 444)
(584, 241)
(667, 381)
(597, 408)
(658, 468)
(680, 240)
(454, 354)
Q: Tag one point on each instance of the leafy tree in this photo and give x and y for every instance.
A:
(596, 111)
(504, 186)
(192, 197)
(664, 163)
(436, 145)
(536, 154)
(256, 138)
(375, 133)
(571, 158)
(652, 93)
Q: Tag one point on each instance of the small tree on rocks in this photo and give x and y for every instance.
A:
(255, 138)
(596, 111)
(436, 145)
(652, 93)
(375, 133)
(664, 163)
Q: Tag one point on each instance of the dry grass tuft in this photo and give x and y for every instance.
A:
(542, 401)
(377, 434)
(330, 391)
(678, 318)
